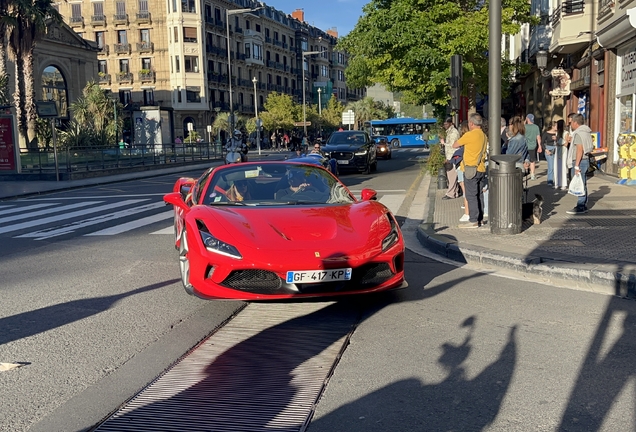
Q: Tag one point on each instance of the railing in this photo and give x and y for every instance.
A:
(79, 160)
(104, 79)
(143, 17)
(76, 21)
(145, 46)
(98, 19)
(122, 48)
(120, 19)
(124, 77)
(147, 76)
(103, 49)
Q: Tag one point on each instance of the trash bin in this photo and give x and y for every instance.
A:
(505, 183)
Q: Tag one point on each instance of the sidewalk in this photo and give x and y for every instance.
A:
(595, 251)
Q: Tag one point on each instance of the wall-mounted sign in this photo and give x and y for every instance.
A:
(560, 83)
(8, 145)
(46, 109)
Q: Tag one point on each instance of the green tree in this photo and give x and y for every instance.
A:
(94, 111)
(221, 123)
(406, 45)
(367, 109)
(332, 114)
(26, 22)
(280, 112)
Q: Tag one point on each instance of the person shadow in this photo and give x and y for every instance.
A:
(457, 403)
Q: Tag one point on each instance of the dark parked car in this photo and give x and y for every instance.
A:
(382, 146)
(352, 150)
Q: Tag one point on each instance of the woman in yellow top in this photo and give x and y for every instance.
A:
(475, 143)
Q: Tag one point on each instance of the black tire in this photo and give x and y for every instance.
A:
(367, 168)
(395, 143)
(374, 166)
(184, 263)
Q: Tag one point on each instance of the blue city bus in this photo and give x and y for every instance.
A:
(403, 132)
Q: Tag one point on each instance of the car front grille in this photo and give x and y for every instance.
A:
(266, 282)
(253, 281)
(342, 155)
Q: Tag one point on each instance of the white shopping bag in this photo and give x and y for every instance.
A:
(576, 186)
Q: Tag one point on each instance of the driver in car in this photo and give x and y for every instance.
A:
(297, 183)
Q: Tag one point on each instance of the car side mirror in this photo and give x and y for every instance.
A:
(176, 200)
(368, 195)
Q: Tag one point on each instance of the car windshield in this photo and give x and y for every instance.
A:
(353, 138)
(275, 184)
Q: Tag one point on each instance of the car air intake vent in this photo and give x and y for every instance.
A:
(254, 281)
(375, 274)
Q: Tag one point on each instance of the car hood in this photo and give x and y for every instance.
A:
(342, 147)
(332, 229)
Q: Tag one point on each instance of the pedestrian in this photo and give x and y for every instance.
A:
(517, 143)
(475, 143)
(560, 158)
(504, 135)
(457, 157)
(425, 136)
(533, 141)
(578, 158)
(452, 135)
(549, 140)
(286, 141)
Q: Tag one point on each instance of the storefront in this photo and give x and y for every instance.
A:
(625, 150)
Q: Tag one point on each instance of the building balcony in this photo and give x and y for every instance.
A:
(104, 78)
(143, 17)
(145, 46)
(245, 83)
(76, 21)
(146, 76)
(120, 19)
(104, 49)
(238, 30)
(124, 77)
(254, 61)
(122, 48)
(98, 19)
(569, 20)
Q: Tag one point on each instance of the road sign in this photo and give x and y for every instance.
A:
(301, 124)
(348, 117)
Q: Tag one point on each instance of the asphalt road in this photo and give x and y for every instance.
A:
(96, 317)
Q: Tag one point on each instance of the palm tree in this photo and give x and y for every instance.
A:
(27, 23)
(95, 112)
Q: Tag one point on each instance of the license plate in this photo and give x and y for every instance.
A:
(317, 276)
(343, 162)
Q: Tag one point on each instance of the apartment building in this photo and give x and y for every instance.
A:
(169, 60)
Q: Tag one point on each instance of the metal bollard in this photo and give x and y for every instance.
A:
(442, 180)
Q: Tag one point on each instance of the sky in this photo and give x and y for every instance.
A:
(325, 14)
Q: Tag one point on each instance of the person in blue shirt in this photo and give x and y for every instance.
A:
(517, 141)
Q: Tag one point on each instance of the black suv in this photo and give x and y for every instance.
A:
(353, 150)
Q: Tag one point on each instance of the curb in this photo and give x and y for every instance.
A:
(612, 278)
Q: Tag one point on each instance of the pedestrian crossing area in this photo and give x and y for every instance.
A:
(49, 218)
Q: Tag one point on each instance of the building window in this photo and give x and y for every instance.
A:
(257, 51)
(304, 45)
(177, 64)
(144, 35)
(188, 6)
(176, 34)
(291, 42)
(120, 9)
(124, 67)
(102, 67)
(146, 63)
(324, 71)
(125, 96)
(76, 11)
(190, 34)
(122, 38)
(247, 50)
(193, 96)
(174, 5)
(266, 32)
(276, 36)
(179, 94)
(149, 97)
(191, 63)
(99, 38)
(143, 6)
(258, 27)
(98, 11)
(247, 24)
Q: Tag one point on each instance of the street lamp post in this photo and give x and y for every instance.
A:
(258, 126)
(229, 12)
(305, 53)
(217, 110)
(319, 112)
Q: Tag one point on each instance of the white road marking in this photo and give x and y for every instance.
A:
(392, 202)
(167, 230)
(97, 197)
(23, 216)
(27, 208)
(69, 228)
(64, 216)
(133, 224)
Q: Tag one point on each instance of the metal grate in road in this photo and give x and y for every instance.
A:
(263, 371)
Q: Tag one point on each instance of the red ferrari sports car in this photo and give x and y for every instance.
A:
(278, 230)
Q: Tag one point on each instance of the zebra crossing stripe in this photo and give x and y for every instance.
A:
(23, 216)
(70, 215)
(392, 202)
(21, 209)
(167, 230)
(66, 229)
(118, 229)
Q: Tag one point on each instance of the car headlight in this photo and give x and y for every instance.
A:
(361, 152)
(393, 236)
(215, 245)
